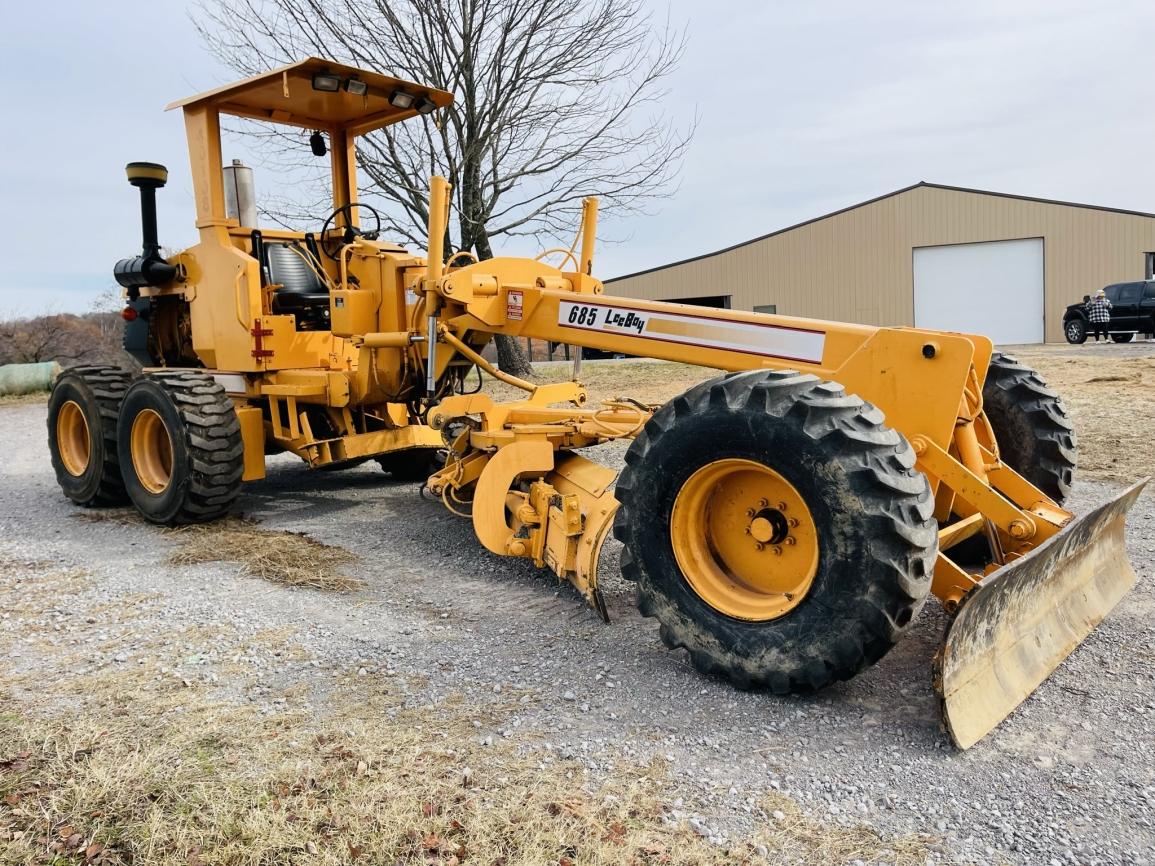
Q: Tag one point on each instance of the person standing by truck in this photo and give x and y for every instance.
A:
(1099, 314)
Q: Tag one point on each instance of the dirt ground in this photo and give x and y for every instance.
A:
(344, 676)
(1110, 394)
(1109, 391)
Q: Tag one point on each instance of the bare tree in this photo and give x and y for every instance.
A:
(555, 100)
(57, 337)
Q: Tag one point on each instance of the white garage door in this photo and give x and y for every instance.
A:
(992, 288)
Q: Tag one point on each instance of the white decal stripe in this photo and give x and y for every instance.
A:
(687, 329)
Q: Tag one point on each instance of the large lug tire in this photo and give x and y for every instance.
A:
(413, 464)
(871, 512)
(82, 415)
(1035, 436)
(1075, 331)
(180, 448)
(1122, 338)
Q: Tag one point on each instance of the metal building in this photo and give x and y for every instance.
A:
(928, 255)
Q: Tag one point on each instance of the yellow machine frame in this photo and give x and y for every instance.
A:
(404, 328)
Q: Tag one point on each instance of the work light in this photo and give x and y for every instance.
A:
(356, 86)
(400, 99)
(326, 82)
(424, 106)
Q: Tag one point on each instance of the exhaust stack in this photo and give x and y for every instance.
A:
(240, 194)
(149, 268)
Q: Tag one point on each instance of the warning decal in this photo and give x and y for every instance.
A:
(514, 303)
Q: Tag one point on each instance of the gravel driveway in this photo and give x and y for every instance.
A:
(1069, 778)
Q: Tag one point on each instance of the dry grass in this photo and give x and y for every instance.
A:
(276, 555)
(24, 399)
(288, 558)
(164, 775)
(135, 764)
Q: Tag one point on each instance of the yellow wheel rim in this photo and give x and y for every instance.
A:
(73, 439)
(151, 451)
(744, 539)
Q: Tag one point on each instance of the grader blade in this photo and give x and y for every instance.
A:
(1021, 621)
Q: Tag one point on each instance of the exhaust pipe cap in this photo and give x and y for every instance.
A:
(146, 174)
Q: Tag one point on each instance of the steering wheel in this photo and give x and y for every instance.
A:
(330, 247)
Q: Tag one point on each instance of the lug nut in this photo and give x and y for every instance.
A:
(777, 550)
(750, 512)
(793, 521)
(790, 540)
(762, 503)
(781, 506)
(758, 545)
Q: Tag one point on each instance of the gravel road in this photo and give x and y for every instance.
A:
(1069, 778)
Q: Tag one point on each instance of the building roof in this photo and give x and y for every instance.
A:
(905, 189)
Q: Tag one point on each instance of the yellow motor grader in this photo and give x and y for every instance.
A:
(784, 522)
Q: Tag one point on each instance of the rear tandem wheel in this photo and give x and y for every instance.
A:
(82, 413)
(180, 446)
(777, 529)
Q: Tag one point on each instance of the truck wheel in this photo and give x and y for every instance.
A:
(1035, 437)
(776, 529)
(413, 464)
(82, 413)
(180, 448)
(1122, 338)
(1075, 332)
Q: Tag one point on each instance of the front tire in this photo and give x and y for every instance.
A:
(180, 448)
(837, 469)
(1075, 331)
(82, 415)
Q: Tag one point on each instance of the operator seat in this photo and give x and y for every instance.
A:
(301, 292)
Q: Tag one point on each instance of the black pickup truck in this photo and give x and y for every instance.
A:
(1132, 312)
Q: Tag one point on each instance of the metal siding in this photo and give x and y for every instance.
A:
(857, 266)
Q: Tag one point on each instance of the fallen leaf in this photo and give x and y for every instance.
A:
(12, 799)
(93, 851)
(431, 842)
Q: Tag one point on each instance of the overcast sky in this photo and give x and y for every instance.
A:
(804, 107)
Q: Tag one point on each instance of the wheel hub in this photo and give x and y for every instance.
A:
(73, 438)
(151, 451)
(744, 539)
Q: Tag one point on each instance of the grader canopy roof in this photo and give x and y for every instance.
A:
(321, 94)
